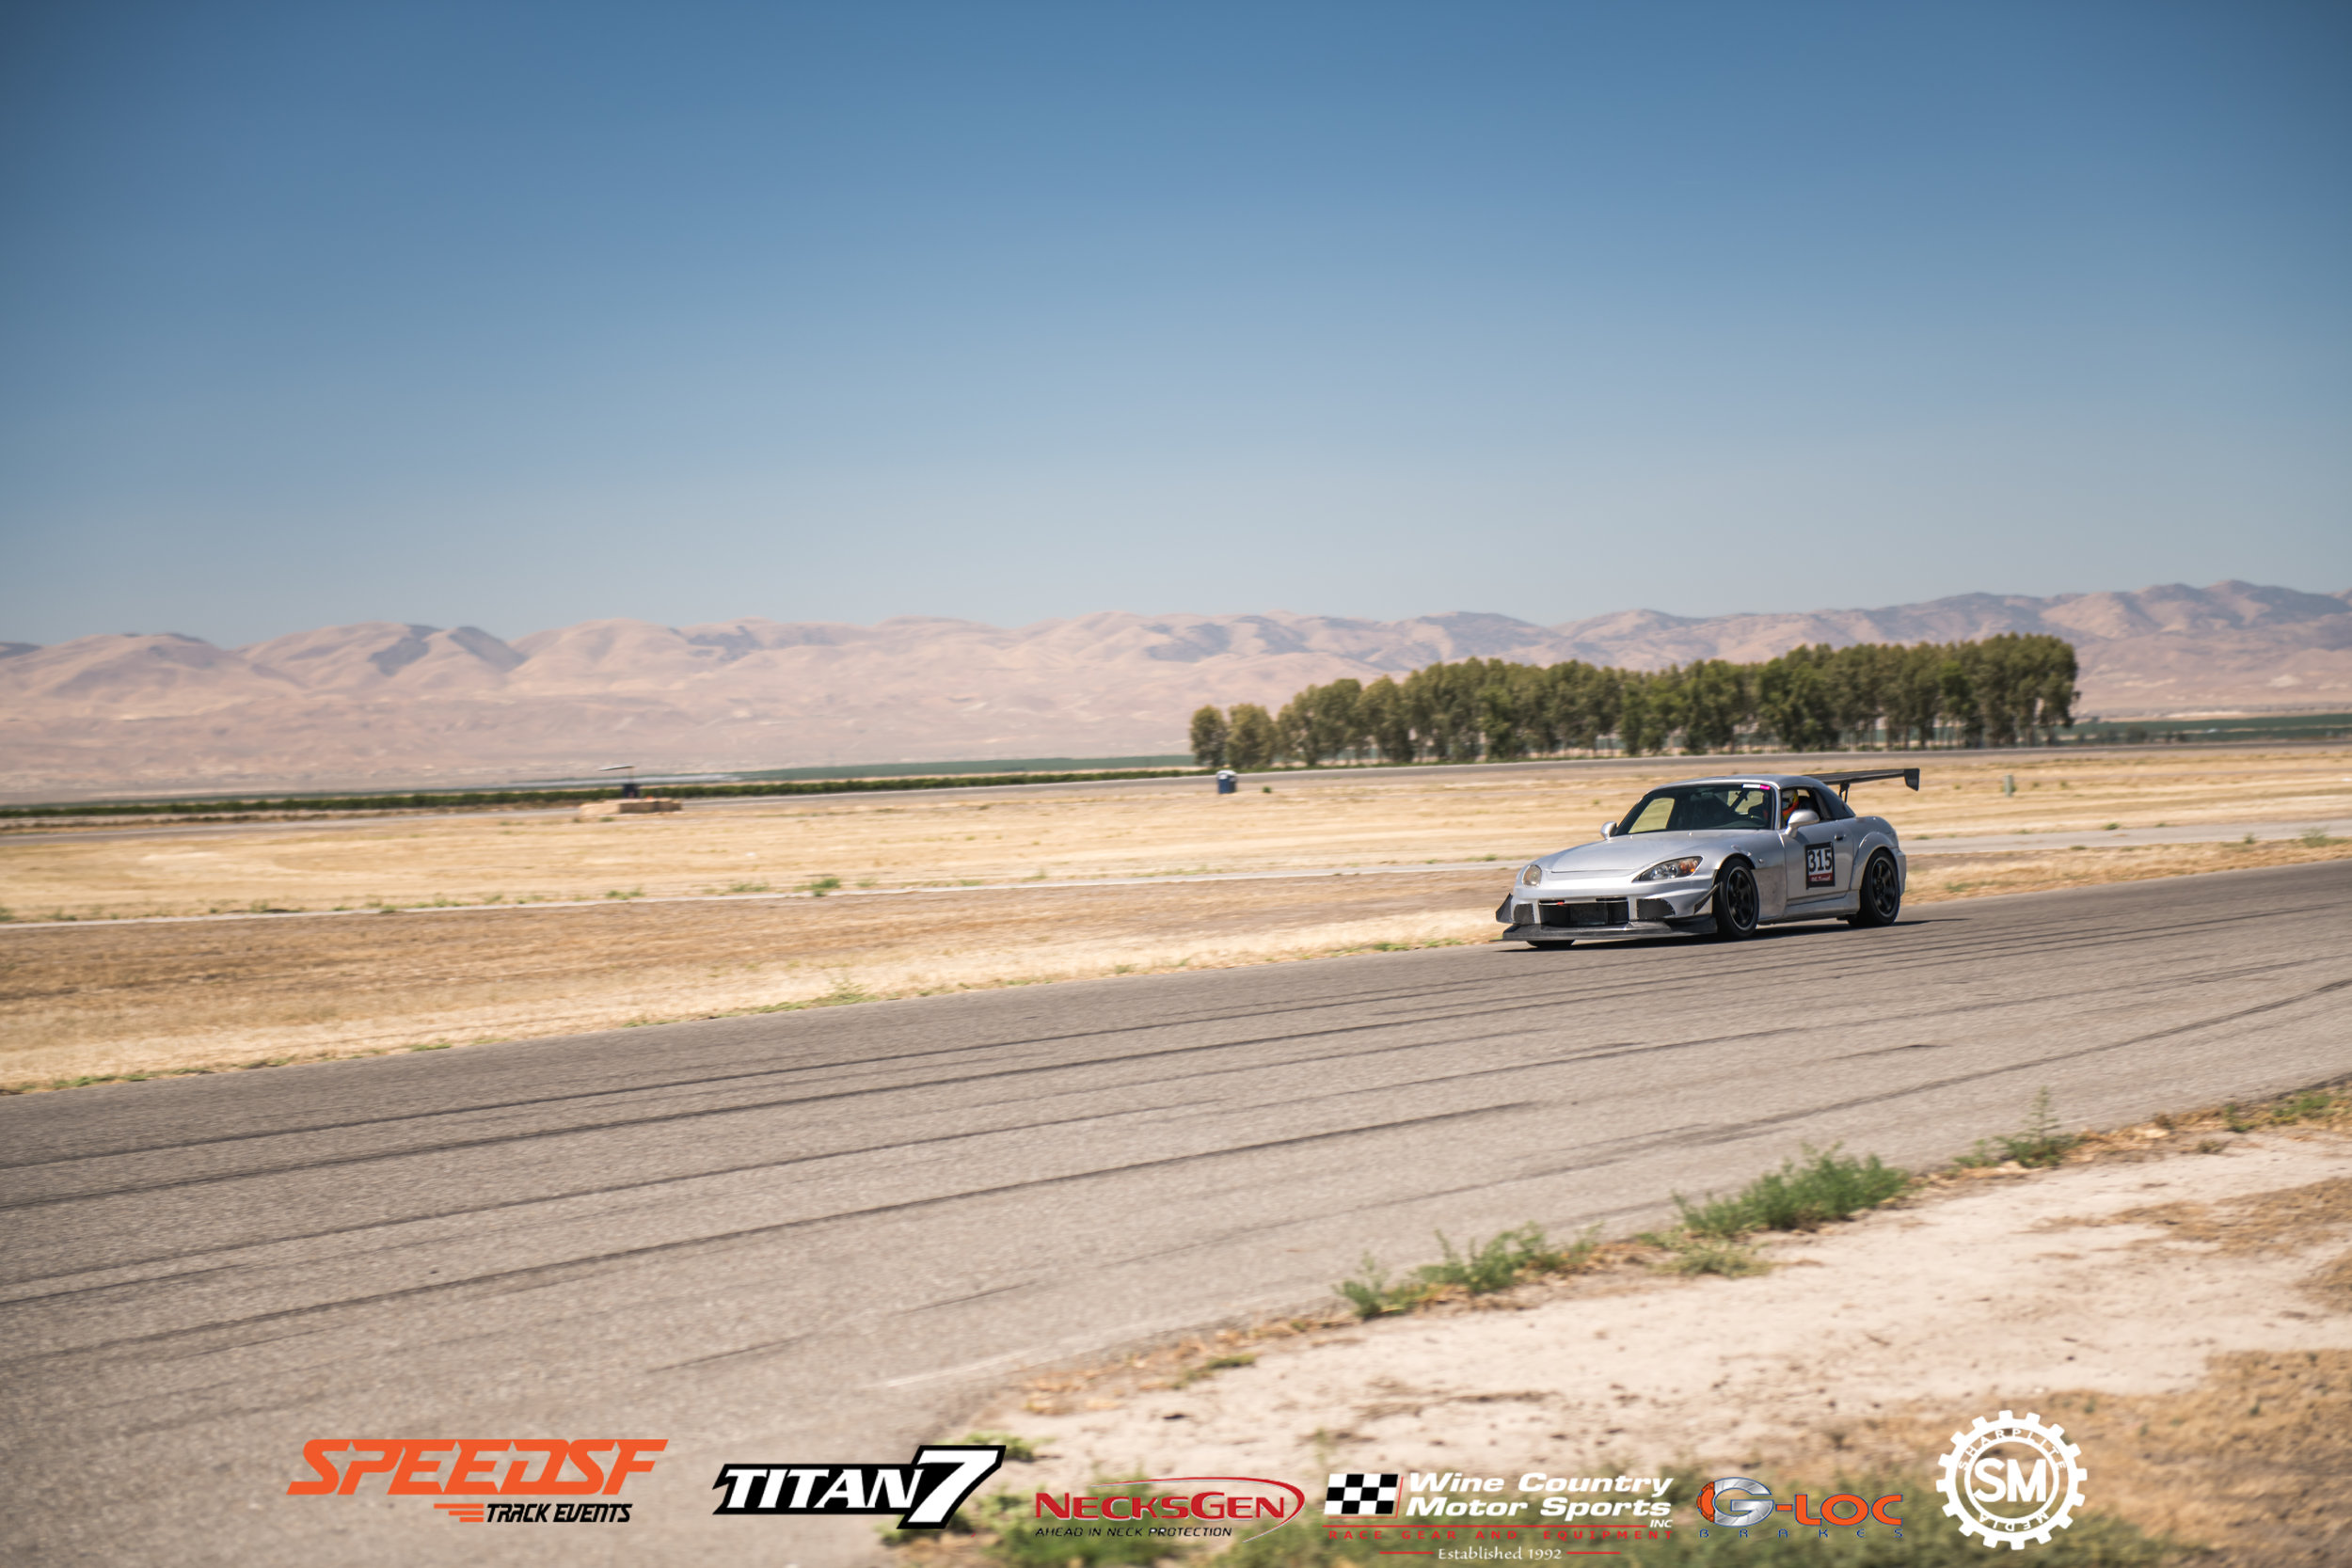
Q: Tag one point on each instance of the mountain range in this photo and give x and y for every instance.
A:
(386, 703)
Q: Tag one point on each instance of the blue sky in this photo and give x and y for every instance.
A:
(522, 314)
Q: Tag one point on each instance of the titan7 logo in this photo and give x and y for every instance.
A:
(925, 1495)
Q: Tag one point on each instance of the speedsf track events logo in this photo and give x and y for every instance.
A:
(497, 1481)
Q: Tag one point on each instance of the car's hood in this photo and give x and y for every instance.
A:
(1611, 856)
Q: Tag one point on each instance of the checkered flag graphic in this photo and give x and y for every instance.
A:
(1361, 1491)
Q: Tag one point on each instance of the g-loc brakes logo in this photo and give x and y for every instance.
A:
(1985, 1489)
(1735, 1500)
(925, 1495)
(1739, 1502)
(466, 1468)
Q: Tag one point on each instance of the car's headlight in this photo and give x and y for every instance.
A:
(1667, 870)
(1532, 875)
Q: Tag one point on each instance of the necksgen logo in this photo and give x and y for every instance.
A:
(469, 1467)
(1205, 1502)
(925, 1495)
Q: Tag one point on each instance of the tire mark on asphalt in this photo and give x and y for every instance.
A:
(538, 1275)
(571, 1195)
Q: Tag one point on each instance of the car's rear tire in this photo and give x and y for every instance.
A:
(1550, 947)
(1882, 893)
(1739, 904)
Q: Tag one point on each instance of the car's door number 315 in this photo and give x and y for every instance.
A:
(1820, 866)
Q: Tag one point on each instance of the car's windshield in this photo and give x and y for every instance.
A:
(1685, 808)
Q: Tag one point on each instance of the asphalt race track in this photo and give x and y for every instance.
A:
(823, 1235)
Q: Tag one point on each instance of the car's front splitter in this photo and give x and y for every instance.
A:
(1684, 926)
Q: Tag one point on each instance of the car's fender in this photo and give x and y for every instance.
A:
(1765, 856)
(1877, 834)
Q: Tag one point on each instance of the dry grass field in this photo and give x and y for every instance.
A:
(94, 998)
(920, 841)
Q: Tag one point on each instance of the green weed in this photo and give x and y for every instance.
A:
(1697, 1255)
(1826, 1186)
(2039, 1143)
(1480, 1269)
(1215, 1365)
(1018, 1450)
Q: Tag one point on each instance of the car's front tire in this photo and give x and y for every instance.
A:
(1881, 894)
(1738, 903)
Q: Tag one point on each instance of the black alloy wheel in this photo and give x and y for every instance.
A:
(1881, 894)
(1738, 905)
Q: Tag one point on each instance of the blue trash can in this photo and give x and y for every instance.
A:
(1226, 780)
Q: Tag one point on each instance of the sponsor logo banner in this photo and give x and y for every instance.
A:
(484, 1468)
(1192, 1503)
(1741, 1503)
(923, 1495)
(1533, 1514)
(1359, 1493)
(2012, 1480)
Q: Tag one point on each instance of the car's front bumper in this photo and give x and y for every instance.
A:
(1559, 912)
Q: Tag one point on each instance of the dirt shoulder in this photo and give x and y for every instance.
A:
(2182, 1306)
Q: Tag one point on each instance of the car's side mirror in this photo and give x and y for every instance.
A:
(1608, 830)
(1803, 818)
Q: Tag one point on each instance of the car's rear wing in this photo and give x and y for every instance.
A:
(1847, 781)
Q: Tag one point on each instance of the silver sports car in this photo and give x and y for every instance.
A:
(1722, 857)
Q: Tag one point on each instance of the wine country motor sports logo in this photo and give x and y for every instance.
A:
(1745, 1503)
(470, 1468)
(1450, 1514)
(1986, 1490)
(925, 1495)
(1361, 1493)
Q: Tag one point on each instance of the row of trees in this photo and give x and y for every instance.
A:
(2002, 690)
